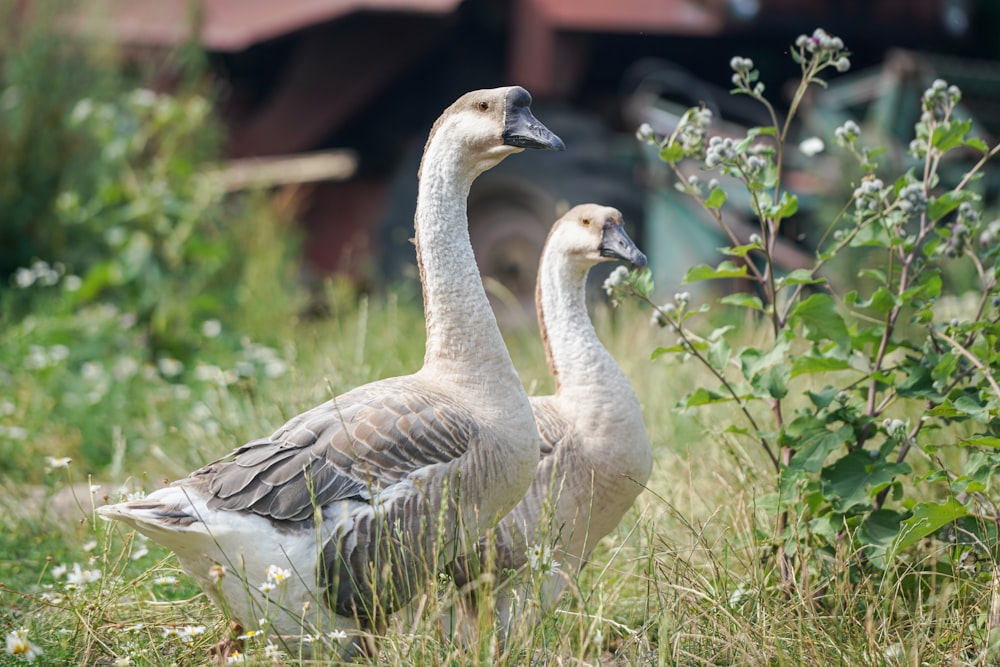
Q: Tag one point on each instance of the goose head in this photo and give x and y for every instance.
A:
(491, 124)
(590, 234)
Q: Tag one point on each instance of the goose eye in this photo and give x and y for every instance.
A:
(586, 222)
(484, 106)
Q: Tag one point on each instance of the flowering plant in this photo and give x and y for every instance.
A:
(876, 406)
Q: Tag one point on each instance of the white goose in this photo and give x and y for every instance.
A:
(596, 456)
(341, 513)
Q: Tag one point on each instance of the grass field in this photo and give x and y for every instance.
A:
(683, 581)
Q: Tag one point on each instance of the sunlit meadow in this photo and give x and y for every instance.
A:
(176, 329)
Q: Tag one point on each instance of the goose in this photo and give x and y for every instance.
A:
(332, 522)
(596, 455)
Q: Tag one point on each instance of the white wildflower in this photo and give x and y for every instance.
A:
(739, 596)
(235, 658)
(272, 652)
(211, 328)
(165, 580)
(53, 462)
(266, 587)
(540, 559)
(169, 366)
(189, 632)
(277, 575)
(124, 661)
(59, 571)
(80, 577)
(217, 572)
(336, 636)
(19, 645)
(812, 146)
(24, 277)
(616, 278)
(139, 552)
(90, 546)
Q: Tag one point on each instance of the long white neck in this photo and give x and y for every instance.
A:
(462, 331)
(576, 356)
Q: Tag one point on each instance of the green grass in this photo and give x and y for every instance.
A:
(683, 581)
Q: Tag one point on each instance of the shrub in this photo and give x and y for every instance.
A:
(876, 404)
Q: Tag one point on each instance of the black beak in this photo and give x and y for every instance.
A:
(616, 244)
(522, 129)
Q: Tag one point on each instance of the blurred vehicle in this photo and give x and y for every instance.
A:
(369, 76)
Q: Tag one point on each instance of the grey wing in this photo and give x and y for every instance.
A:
(349, 448)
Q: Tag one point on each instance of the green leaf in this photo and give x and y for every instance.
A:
(918, 383)
(950, 135)
(926, 519)
(743, 300)
(879, 531)
(982, 440)
(771, 383)
(813, 442)
(821, 320)
(801, 277)
(672, 349)
(740, 250)
(725, 270)
(946, 411)
(644, 283)
(849, 482)
(787, 206)
(768, 130)
(976, 143)
(817, 364)
(824, 397)
(702, 396)
(716, 198)
(938, 207)
(881, 301)
(876, 274)
(718, 353)
(672, 152)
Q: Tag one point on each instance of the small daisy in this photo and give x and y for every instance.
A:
(123, 661)
(189, 632)
(336, 635)
(53, 462)
(540, 559)
(165, 580)
(139, 552)
(276, 574)
(90, 546)
(80, 577)
(18, 645)
(250, 634)
(271, 651)
(236, 658)
(59, 571)
(266, 587)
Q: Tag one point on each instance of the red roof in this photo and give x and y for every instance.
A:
(227, 25)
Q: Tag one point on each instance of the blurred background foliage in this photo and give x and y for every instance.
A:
(122, 260)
